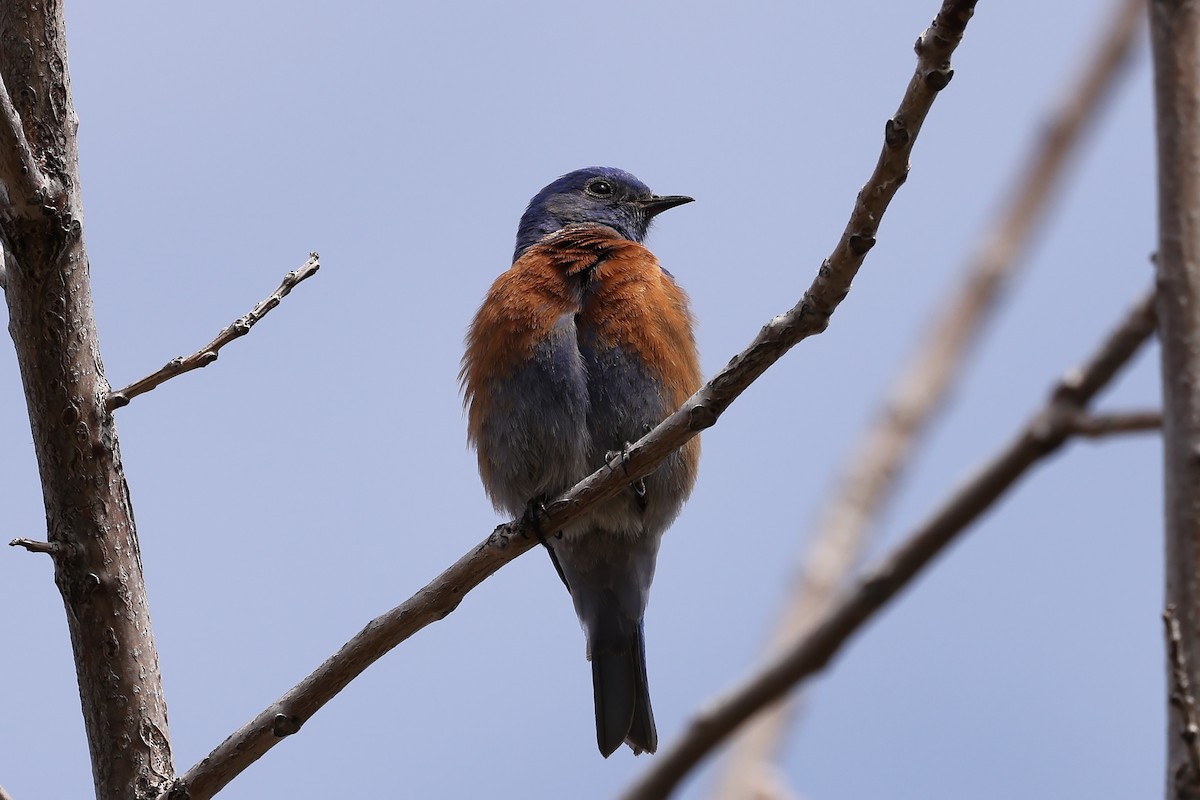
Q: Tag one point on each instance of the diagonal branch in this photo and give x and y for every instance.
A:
(208, 354)
(809, 317)
(878, 460)
(1043, 435)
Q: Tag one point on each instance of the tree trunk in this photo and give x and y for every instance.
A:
(89, 518)
(1175, 34)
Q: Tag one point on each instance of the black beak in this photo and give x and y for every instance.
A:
(655, 205)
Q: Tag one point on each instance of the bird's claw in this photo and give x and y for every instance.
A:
(611, 458)
(535, 512)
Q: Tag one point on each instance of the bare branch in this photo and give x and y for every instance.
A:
(34, 546)
(208, 354)
(20, 176)
(1043, 435)
(4, 795)
(1182, 698)
(1095, 426)
(809, 317)
(878, 460)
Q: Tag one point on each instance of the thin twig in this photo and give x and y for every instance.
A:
(35, 546)
(1044, 434)
(1095, 426)
(208, 354)
(808, 317)
(1182, 698)
(878, 460)
(27, 186)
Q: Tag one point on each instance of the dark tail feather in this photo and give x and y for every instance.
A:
(623, 712)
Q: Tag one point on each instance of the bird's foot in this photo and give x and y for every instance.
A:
(613, 457)
(535, 512)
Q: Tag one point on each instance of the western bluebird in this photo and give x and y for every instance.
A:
(580, 348)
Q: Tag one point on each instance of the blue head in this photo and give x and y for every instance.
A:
(599, 195)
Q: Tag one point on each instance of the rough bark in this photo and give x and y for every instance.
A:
(1175, 36)
(89, 518)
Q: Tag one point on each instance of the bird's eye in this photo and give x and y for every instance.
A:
(600, 188)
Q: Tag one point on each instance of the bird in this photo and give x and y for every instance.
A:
(581, 347)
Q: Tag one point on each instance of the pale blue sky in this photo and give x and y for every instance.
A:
(317, 474)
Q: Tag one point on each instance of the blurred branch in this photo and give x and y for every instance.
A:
(1098, 425)
(1175, 39)
(1043, 435)
(1181, 697)
(4, 795)
(878, 460)
(808, 317)
(208, 354)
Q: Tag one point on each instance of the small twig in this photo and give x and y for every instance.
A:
(35, 546)
(1040, 437)
(1181, 691)
(27, 186)
(208, 354)
(1095, 426)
